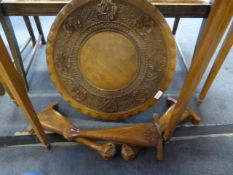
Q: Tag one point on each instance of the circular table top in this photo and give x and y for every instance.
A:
(109, 58)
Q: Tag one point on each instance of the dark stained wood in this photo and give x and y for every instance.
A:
(40, 30)
(175, 25)
(11, 38)
(52, 8)
(2, 90)
(30, 30)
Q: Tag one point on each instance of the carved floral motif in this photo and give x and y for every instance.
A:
(106, 10)
(109, 106)
(62, 62)
(72, 24)
(145, 24)
(140, 95)
(134, 24)
(79, 93)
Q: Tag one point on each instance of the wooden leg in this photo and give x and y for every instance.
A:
(175, 26)
(7, 90)
(129, 152)
(53, 121)
(30, 30)
(40, 30)
(203, 24)
(228, 42)
(15, 85)
(218, 20)
(10, 35)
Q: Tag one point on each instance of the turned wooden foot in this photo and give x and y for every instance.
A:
(129, 152)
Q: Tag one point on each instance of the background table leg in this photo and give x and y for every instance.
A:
(10, 35)
(175, 26)
(30, 30)
(40, 30)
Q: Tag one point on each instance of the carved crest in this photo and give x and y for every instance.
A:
(106, 10)
(145, 24)
(109, 106)
(63, 62)
(72, 24)
(79, 93)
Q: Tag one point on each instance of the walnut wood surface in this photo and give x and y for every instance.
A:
(145, 135)
(219, 18)
(111, 57)
(222, 55)
(132, 137)
(110, 65)
(129, 152)
(52, 120)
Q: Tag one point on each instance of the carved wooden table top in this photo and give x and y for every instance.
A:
(109, 59)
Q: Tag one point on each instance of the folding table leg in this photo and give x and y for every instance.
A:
(13, 81)
(40, 30)
(218, 20)
(30, 30)
(228, 42)
(175, 26)
(10, 35)
(2, 90)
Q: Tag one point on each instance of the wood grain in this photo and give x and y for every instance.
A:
(222, 55)
(110, 71)
(218, 20)
(53, 121)
(12, 80)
